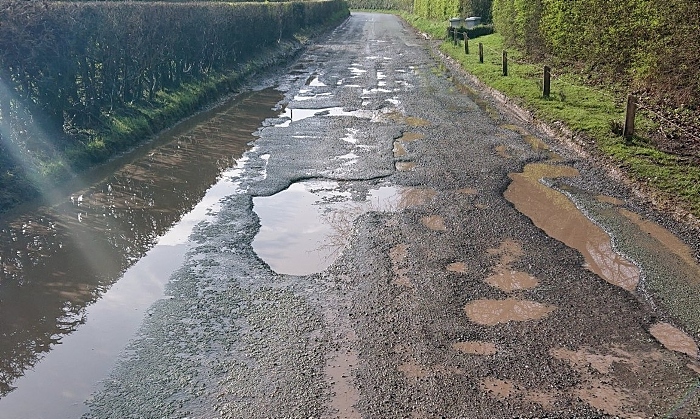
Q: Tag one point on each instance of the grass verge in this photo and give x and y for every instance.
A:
(585, 110)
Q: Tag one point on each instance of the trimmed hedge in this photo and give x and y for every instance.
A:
(445, 9)
(648, 45)
(72, 73)
(405, 5)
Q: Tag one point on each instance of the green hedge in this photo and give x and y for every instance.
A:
(75, 76)
(405, 5)
(477, 31)
(445, 9)
(649, 45)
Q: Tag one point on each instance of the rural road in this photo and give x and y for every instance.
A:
(399, 247)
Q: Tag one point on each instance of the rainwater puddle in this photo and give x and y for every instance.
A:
(610, 200)
(493, 312)
(674, 339)
(600, 368)
(502, 151)
(408, 120)
(316, 82)
(554, 213)
(299, 114)
(411, 136)
(504, 277)
(345, 394)
(350, 136)
(399, 149)
(302, 96)
(667, 239)
(305, 227)
(405, 166)
(508, 281)
(77, 277)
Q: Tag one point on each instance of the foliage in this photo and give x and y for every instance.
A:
(648, 44)
(405, 5)
(445, 9)
(70, 71)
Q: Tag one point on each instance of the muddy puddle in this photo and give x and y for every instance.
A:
(76, 277)
(504, 276)
(556, 214)
(345, 394)
(493, 312)
(305, 227)
(508, 280)
(674, 339)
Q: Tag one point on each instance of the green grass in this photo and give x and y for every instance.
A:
(582, 108)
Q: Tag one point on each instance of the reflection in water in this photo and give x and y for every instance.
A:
(304, 228)
(57, 260)
(553, 212)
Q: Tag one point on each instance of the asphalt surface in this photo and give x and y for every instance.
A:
(408, 321)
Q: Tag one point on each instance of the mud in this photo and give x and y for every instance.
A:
(434, 222)
(674, 339)
(668, 240)
(560, 218)
(493, 312)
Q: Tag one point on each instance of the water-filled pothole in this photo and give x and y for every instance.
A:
(493, 312)
(305, 227)
(297, 114)
(674, 339)
(554, 213)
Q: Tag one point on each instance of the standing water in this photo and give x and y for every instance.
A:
(77, 277)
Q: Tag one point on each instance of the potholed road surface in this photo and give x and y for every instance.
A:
(394, 244)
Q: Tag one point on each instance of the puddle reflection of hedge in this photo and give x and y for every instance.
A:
(76, 69)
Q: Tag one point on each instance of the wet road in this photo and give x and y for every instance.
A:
(396, 246)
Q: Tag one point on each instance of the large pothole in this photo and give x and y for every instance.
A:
(305, 227)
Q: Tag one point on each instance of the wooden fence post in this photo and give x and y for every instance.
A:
(547, 81)
(505, 62)
(630, 113)
(466, 43)
(481, 53)
(455, 38)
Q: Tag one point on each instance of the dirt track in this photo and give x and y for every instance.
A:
(446, 300)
